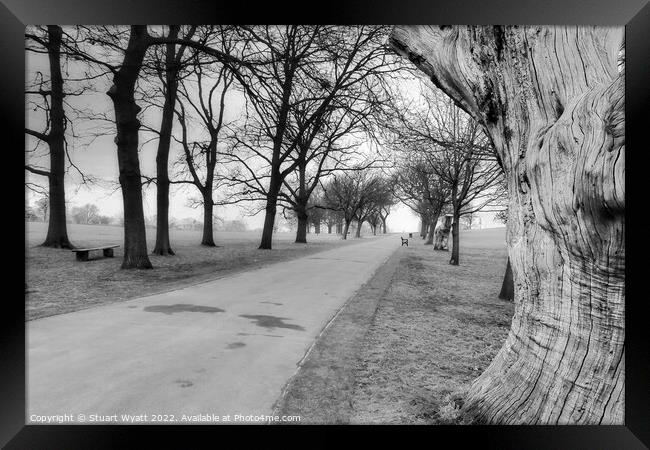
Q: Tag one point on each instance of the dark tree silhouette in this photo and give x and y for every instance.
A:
(54, 135)
(168, 72)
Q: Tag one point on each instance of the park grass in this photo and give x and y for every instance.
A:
(405, 349)
(58, 284)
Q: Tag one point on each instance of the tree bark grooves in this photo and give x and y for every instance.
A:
(57, 232)
(128, 125)
(552, 101)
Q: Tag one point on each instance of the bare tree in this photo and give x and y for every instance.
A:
(52, 93)
(168, 68)
(454, 147)
(419, 187)
(297, 77)
(551, 100)
(204, 97)
(121, 52)
(353, 194)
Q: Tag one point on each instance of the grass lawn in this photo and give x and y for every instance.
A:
(408, 345)
(57, 283)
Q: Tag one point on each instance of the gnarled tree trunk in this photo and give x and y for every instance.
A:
(551, 100)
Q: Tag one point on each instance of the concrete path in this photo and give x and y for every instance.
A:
(225, 347)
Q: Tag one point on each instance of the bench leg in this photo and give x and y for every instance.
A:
(82, 256)
(108, 252)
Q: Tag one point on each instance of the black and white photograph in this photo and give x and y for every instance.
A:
(325, 224)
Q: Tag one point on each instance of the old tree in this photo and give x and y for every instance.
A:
(551, 100)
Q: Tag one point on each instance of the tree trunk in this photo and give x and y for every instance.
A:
(358, 232)
(303, 224)
(269, 218)
(128, 125)
(424, 225)
(383, 226)
(552, 101)
(508, 286)
(441, 237)
(316, 227)
(431, 231)
(329, 228)
(346, 227)
(163, 246)
(455, 234)
(57, 230)
(208, 221)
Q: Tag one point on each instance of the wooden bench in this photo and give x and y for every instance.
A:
(82, 253)
(404, 241)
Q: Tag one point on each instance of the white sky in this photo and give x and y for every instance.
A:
(98, 158)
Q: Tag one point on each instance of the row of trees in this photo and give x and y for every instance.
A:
(307, 97)
(445, 163)
(267, 116)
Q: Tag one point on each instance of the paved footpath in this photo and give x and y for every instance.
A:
(224, 347)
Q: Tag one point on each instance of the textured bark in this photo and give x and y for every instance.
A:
(128, 125)
(383, 226)
(508, 285)
(442, 235)
(551, 99)
(358, 231)
(57, 232)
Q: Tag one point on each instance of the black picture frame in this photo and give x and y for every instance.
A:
(633, 14)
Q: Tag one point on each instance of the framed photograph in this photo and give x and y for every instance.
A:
(368, 214)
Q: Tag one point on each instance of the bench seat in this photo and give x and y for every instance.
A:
(82, 253)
